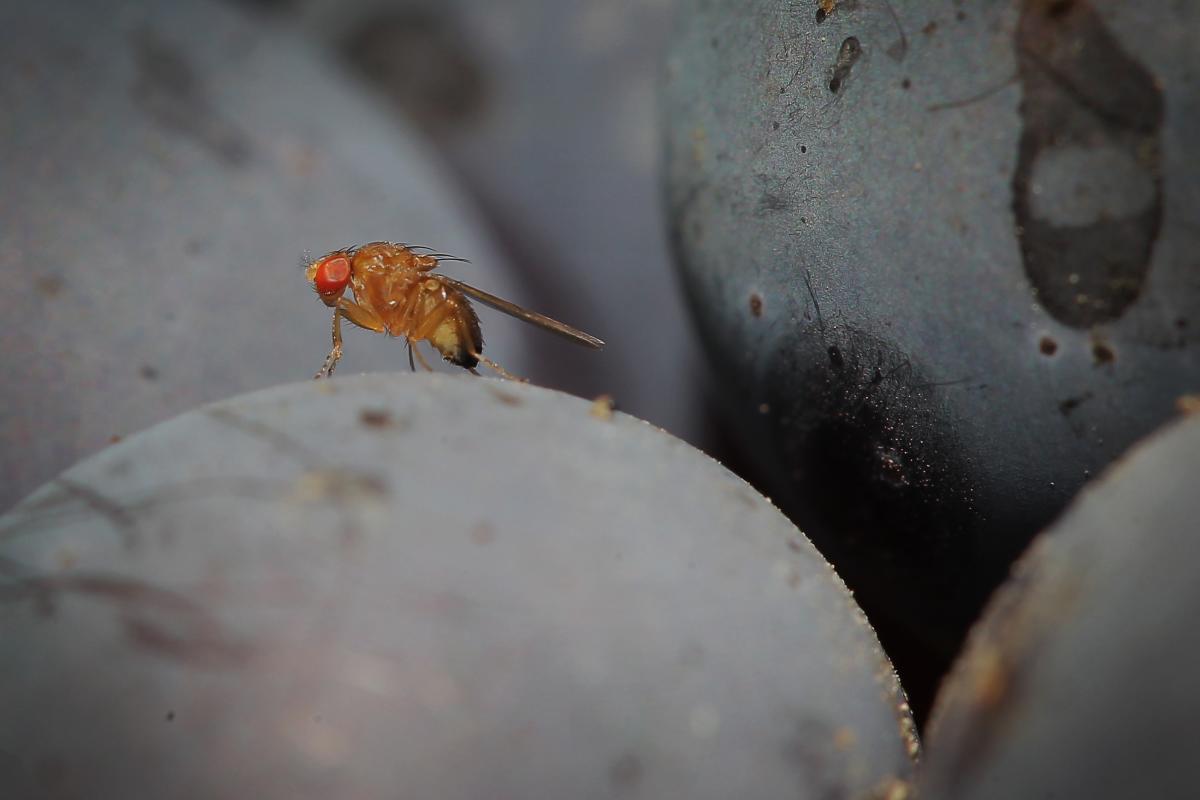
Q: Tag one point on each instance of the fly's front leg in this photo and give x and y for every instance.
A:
(356, 315)
(335, 354)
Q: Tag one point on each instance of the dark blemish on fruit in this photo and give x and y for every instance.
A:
(626, 772)
(1071, 403)
(420, 56)
(866, 444)
(48, 285)
(172, 93)
(375, 417)
(1059, 9)
(898, 49)
(505, 398)
(1091, 143)
(1102, 353)
(1047, 346)
(848, 54)
(148, 372)
(756, 304)
(483, 534)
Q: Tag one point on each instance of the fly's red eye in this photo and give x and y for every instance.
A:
(332, 275)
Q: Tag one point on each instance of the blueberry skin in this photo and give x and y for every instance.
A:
(943, 260)
(431, 586)
(1079, 681)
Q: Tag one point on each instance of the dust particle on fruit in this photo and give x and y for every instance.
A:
(756, 304)
(1188, 404)
(602, 407)
(1071, 403)
(49, 285)
(505, 398)
(1102, 353)
(375, 417)
(625, 772)
(483, 534)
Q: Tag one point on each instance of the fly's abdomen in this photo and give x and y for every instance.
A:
(457, 336)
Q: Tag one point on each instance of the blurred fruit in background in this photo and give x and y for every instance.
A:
(167, 165)
(1080, 680)
(945, 257)
(546, 112)
(164, 168)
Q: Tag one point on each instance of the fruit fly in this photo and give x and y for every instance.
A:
(397, 292)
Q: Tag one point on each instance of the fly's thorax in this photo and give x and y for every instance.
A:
(389, 294)
(386, 256)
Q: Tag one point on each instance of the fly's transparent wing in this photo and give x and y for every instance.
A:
(532, 317)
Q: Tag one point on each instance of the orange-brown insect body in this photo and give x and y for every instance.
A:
(399, 287)
(396, 292)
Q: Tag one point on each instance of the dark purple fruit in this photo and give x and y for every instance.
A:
(428, 586)
(944, 257)
(1080, 680)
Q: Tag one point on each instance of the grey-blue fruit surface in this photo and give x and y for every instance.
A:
(165, 167)
(1080, 680)
(428, 586)
(945, 255)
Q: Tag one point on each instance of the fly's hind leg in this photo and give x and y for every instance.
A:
(501, 371)
(465, 336)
